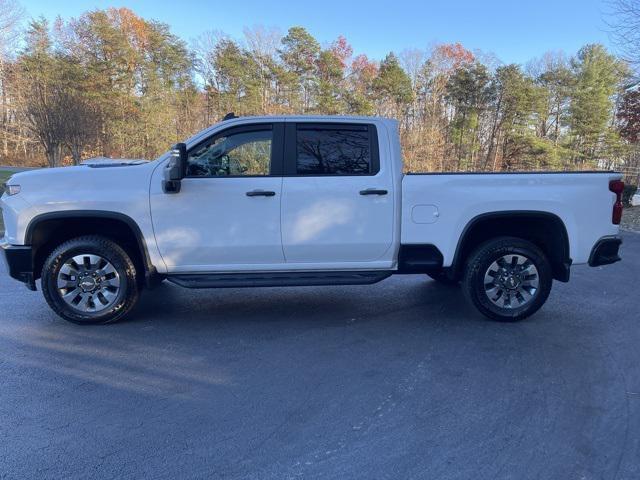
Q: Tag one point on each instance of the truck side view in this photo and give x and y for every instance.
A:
(299, 200)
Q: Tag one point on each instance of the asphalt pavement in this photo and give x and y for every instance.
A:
(398, 380)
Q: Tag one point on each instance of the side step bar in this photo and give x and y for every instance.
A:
(277, 279)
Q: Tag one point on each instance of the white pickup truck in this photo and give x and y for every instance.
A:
(288, 201)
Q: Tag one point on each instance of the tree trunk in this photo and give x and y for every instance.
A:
(53, 154)
(494, 130)
(76, 153)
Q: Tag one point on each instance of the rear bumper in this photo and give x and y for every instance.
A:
(19, 262)
(605, 251)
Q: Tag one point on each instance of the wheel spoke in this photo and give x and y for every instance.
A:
(105, 269)
(111, 281)
(506, 300)
(493, 291)
(111, 284)
(69, 269)
(106, 296)
(95, 261)
(66, 283)
(78, 263)
(70, 295)
(87, 302)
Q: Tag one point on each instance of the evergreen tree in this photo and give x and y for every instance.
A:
(597, 75)
(299, 54)
(470, 92)
(393, 87)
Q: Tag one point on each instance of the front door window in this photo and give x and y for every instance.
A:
(243, 153)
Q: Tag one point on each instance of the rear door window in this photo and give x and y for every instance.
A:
(325, 149)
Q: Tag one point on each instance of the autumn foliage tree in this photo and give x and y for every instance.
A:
(629, 116)
(113, 83)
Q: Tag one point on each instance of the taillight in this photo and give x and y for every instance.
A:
(617, 187)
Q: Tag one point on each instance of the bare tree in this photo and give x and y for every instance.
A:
(11, 15)
(59, 116)
(623, 20)
(204, 48)
(79, 122)
(263, 41)
(263, 44)
(45, 118)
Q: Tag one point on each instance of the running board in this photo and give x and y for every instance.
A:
(276, 279)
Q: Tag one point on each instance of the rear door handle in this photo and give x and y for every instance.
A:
(373, 191)
(260, 193)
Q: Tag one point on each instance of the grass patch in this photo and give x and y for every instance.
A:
(4, 175)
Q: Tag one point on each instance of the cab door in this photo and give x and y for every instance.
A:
(227, 214)
(337, 201)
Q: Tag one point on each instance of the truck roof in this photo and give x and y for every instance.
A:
(341, 118)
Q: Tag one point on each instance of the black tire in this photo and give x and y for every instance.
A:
(441, 277)
(123, 299)
(487, 256)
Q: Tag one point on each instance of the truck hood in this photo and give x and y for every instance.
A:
(96, 179)
(88, 167)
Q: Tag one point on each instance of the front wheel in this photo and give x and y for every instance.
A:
(507, 279)
(90, 280)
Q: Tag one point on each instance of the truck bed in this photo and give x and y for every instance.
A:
(440, 206)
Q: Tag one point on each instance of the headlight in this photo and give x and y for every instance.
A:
(12, 189)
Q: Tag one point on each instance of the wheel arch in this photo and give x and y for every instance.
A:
(45, 231)
(545, 229)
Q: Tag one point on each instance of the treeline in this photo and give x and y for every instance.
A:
(112, 83)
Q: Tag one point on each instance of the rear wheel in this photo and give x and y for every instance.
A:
(90, 280)
(508, 279)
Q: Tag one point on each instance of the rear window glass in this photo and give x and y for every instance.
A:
(333, 151)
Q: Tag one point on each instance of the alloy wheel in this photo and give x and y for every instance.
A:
(511, 281)
(88, 283)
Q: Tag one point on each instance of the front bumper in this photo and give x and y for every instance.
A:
(605, 251)
(19, 262)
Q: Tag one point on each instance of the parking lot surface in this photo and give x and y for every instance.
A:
(397, 380)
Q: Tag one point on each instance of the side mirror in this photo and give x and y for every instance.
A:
(175, 169)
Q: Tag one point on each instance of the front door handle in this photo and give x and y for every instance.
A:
(373, 191)
(260, 193)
